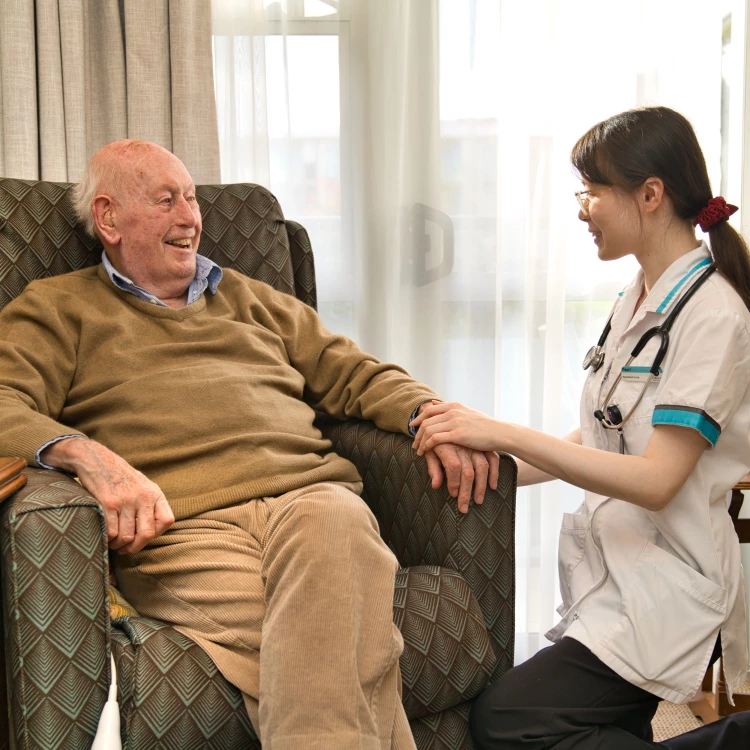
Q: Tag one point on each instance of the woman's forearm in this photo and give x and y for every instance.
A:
(528, 474)
(649, 481)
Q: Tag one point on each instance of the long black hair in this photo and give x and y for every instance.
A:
(627, 149)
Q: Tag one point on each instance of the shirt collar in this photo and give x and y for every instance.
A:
(676, 280)
(207, 274)
(206, 269)
(664, 294)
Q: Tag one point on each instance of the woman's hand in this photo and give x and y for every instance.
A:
(454, 423)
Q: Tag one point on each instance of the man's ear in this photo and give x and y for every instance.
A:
(652, 194)
(103, 210)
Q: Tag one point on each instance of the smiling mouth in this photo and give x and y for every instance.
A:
(183, 243)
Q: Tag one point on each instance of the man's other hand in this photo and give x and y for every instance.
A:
(463, 468)
(135, 508)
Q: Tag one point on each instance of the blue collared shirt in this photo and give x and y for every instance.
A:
(207, 276)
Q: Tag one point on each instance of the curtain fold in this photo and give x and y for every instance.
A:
(77, 74)
(18, 96)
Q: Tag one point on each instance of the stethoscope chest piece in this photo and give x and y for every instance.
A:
(594, 358)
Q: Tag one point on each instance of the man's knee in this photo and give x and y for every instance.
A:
(325, 520)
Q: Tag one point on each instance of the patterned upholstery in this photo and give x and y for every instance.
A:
(458, 569)
(303, 263)
(447, 655)
(447, 730)
(172, 697)
(54, 564)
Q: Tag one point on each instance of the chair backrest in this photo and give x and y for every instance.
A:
(243, 228)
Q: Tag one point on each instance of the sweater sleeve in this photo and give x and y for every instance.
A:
(37, 364)
(341, 379)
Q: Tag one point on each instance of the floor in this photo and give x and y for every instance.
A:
(671, 720)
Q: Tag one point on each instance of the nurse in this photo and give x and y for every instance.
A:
(649, 565)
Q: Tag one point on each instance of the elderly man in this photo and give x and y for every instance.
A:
(182, 397)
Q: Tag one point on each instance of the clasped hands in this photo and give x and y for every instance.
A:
(450, 437)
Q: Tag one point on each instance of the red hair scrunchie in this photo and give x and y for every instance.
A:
(717, 210)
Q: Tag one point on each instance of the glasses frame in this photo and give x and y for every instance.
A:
(582, 196)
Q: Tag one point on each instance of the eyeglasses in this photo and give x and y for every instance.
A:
(583, 200)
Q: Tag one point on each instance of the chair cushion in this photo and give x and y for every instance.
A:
(119, 606)
(448, 657)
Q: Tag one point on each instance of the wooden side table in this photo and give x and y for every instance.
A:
(11, 478)
(713, 704)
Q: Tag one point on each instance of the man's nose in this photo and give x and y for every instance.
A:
(583, 215)
(187, 212)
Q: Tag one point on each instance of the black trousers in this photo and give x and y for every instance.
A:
(565, 698)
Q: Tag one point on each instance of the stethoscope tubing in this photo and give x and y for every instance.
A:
(663, 332)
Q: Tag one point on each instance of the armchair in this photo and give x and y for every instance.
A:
(454, 594)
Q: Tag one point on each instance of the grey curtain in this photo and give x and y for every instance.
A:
(77, 74)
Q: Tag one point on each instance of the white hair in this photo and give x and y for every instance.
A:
(100, 176)
(104, 175)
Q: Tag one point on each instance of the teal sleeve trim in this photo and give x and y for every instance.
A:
(686, 416)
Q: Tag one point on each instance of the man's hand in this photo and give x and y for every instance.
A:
(135, 508)
(463, 468)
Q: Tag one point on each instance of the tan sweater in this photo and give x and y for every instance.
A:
(213, 402)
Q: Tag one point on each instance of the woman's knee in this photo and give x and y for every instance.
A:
(480, 720)
(492, 721)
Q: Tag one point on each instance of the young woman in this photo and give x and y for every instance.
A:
(649, 565)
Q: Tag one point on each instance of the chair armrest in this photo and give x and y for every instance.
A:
(53, 543)
(423, 526)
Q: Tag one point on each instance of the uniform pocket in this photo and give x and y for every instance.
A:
(671, 615)
(686, 578)
(627, 395)
(570, 552)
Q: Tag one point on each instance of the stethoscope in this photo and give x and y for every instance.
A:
(610, 416)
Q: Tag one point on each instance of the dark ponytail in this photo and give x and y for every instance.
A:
(731, 255)
(627, 149)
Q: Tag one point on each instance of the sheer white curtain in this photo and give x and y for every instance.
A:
(425, 144)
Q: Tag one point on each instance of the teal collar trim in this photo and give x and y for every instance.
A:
(701, 264)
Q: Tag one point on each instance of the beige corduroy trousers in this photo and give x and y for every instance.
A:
(292, 597)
